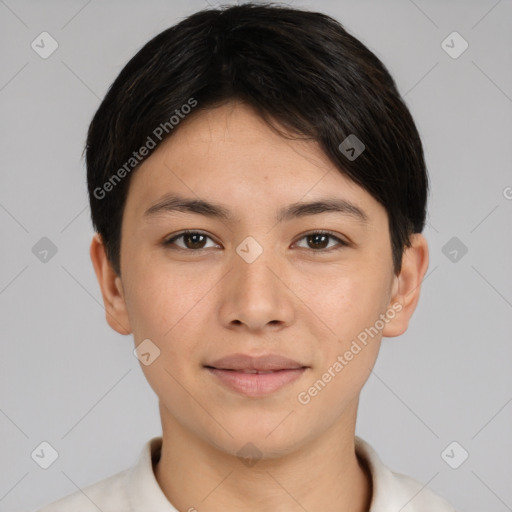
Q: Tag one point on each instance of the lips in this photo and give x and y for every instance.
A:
(243, 363)
(255, 377)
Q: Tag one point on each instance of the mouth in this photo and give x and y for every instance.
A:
(255, 376)
(255, 383)
(258, 372)
(255, 364)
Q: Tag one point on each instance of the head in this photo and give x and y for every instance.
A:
(224, 125)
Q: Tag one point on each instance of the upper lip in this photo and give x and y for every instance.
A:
(260, 363)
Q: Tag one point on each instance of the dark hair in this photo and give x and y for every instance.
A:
(296, 67)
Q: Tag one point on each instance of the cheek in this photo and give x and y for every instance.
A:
(162, 299)
(165, 307)
(347, 302)
(350, 309)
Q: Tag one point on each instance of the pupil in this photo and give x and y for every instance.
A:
(193, 236)
(315, 237)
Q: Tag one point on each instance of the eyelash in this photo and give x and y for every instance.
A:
(341, 242)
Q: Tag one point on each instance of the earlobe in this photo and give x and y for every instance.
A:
(407, 285)
(111, 288)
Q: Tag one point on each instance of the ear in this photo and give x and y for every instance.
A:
(111, 288)
(407, 285)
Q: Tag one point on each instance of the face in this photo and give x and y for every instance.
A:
(254, 281)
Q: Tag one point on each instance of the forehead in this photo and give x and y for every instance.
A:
(231, 156)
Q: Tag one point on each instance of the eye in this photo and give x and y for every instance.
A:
(319, 239)
(193, 240)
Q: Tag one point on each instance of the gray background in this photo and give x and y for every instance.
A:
(68, 379)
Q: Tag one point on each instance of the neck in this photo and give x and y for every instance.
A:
(194, 475)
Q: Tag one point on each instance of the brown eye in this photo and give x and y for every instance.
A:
(318, 241)
(192, 240)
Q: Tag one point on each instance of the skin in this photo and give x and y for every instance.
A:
(306, 305)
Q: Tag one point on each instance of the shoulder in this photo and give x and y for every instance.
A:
(108, 495)
(418, 498)
(134, 488)
(394, 491)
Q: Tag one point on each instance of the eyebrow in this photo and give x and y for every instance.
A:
(172, 203)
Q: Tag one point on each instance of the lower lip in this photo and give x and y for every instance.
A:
(256, 384)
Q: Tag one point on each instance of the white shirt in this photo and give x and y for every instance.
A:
(137, 490)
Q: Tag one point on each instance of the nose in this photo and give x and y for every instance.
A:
(255, 294)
